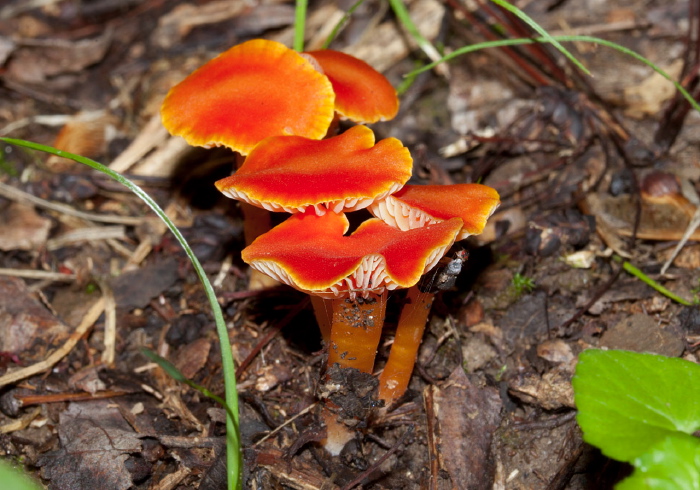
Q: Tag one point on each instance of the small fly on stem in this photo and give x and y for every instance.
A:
(445, 274)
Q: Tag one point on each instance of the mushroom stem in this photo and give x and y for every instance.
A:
(337, 433)
(394, 380)
(323, 316)
(355, 333)
(356, 328)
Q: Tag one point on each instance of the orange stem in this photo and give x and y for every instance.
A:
(323, 316)
(394, 380)
(356, 328)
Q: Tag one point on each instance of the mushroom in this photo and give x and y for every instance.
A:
(353, 273)
(362, 94)
(416, 205)
(343, 173)
(252, 91)
(413, 207)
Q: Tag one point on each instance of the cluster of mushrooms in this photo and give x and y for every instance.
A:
(279, 110)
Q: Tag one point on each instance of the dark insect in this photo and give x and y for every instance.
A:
(446, 274)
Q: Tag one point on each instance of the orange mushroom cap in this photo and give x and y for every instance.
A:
(311, 253)
(254, 90)
(362, 94)
(346, 172)
(417, 205)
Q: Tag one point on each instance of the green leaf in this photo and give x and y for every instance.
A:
(628, 401)
(672, 464)
(14, 479)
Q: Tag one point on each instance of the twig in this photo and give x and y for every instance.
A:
(689, 231)
(88, 320)
(173, 479)
(548, 424)
(9, 192)
(33, 274)
(21, 422)
(592, 301)
(89, 234)
(434, 453)
(285, 423)
(110, 340)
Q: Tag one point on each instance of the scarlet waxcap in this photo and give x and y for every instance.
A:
(415, 206)
(343, 173)
(254, 90)
(362, 94)
(311, 253)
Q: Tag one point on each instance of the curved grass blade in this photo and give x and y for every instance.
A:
(586, 39)
(404, 17)
(631, 269)
(541, 31)
(175, 373)
(233, 452)
(341, 23)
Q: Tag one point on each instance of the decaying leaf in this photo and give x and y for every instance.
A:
(21, 228)
(467, 413)
(95, 443)
(36, 61)
(26, 326)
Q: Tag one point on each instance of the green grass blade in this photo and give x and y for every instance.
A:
(341, 23)
(175, 373)
(299, 24)
(405, 19)
(541, 31)
(586, 39)
(233, 451)
(631, 269)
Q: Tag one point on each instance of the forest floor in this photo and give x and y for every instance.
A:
(590, 169)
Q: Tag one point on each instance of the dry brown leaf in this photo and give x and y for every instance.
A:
(467, 413)
(26, 326)
(95, 444)
(21, 228)
(36, 61)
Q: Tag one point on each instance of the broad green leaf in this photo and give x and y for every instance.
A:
(14, 479)
(672, 464)
(628, 401)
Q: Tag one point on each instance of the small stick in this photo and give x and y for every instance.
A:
(285, 423)
(110, 340)
(88, 320)
(33, 274)
(14, 194)
(433, 453)
(21, 422)
(270, 335)
(27, 400)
